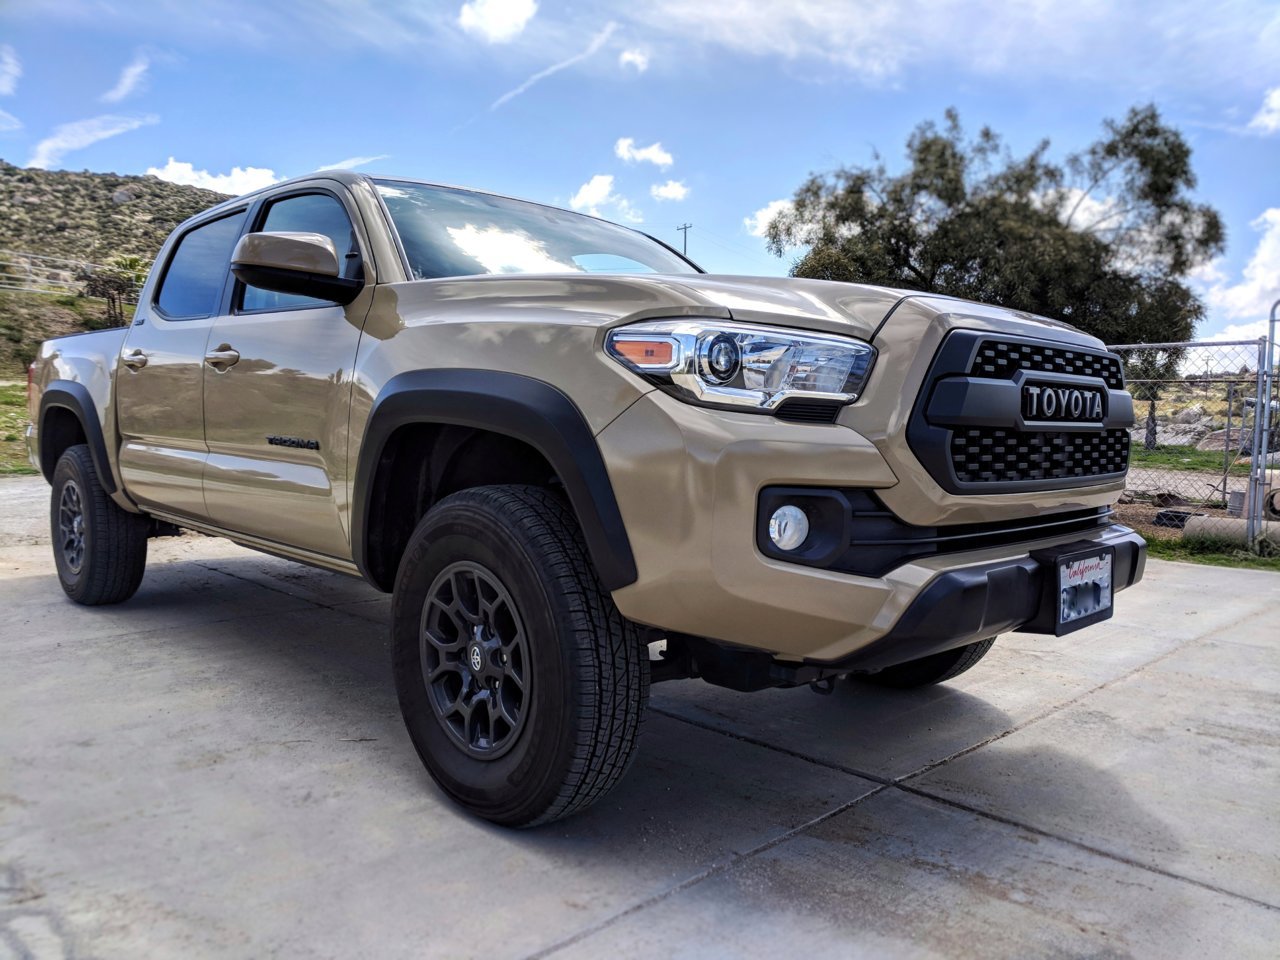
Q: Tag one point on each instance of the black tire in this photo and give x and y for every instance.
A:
(929, 670)
(574, 727)
(99, 549)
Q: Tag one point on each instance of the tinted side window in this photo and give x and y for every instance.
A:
(309, 213)
(193, 282)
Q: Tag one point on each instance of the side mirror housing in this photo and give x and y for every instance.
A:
(300, 263)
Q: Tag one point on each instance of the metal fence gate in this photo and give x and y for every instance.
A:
(1205, 451)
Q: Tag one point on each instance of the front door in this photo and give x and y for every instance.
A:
(277, 394)
(159, 385)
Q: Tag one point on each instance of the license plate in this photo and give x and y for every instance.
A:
(1085, 590)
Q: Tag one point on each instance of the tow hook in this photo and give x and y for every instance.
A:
(825, 686)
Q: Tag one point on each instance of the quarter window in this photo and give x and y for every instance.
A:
(192, 285)
(307, 213)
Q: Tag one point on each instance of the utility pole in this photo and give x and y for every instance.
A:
(684, 229)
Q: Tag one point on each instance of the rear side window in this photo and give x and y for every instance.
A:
(307, 213)
(192, 283)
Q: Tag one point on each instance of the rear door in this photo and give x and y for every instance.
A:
(159, 388)
(277, 392)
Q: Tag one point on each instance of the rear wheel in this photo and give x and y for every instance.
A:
(932, 669)
(521, 685)
(100, 550)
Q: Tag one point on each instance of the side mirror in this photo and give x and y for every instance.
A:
(300, 263)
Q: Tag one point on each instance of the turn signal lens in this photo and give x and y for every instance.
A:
(646, 353)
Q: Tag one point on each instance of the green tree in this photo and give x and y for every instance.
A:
(1104, 240)
(118, 282)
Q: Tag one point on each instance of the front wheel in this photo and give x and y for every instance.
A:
(521, 685)
(931, 669)
(99, 549)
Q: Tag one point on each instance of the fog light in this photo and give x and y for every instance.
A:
(788, 527)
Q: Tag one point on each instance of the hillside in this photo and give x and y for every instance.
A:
(91, 216)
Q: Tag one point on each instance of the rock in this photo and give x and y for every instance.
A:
(1192, 414)
(123, 195)
(1180, 435)
(1217, 440)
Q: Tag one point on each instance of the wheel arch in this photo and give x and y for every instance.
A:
(531, 413)
(68, 416)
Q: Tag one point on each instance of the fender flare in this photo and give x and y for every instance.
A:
(516, 406)
(72, 396)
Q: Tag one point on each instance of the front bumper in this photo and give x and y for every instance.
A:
(974, 603)
(688, 483)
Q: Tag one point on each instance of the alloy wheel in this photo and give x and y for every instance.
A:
(475, 660)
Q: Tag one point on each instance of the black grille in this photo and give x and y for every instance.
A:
(1001, 359)
(995, 455)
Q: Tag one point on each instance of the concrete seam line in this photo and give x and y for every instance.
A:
(169, 629)
(1058, 708)
(711, 871)
(743, 738)
(976, 811)
(1069, 841)
(333, 608)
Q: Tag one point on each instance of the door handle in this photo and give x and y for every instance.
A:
(222, 358)
(135, 359)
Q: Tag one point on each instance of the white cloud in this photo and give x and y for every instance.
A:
(1153, 49)
(1267, 119)
(637, 58)
(10, 70)
(592, 194)
(497, 21)
(626, 149)
(1241, 331)
(598, 193)
(352, 162)
(671, 190)
(239, 180)
(1259, 286)
(758, 223)
(506, 251)
(592, 48)
(79, 134)
(8, 122)
(130, 77)
(1161, 46)
(1085, 211)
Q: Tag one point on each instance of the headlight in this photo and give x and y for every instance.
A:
(741, 365)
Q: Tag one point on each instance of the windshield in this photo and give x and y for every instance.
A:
(457, 233)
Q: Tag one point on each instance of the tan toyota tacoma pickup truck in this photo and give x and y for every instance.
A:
(581, 464)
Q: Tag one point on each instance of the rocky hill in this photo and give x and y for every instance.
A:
(91, 216)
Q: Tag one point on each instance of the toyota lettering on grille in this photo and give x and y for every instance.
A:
(1059, 404)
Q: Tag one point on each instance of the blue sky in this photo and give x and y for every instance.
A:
(657, 113)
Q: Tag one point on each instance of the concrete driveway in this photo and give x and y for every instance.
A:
(217, 768)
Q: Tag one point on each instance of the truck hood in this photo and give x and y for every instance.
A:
(853, 309)
(849, 308)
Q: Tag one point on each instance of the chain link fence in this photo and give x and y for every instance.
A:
(1203, 453)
